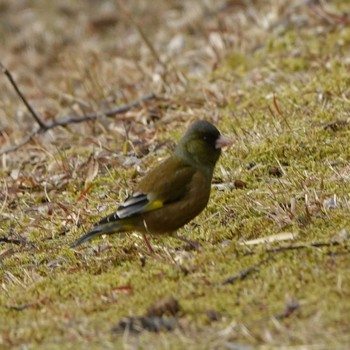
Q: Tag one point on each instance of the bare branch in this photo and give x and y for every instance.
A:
(241, 275)
(30, 108)
(26, 140)
(70, 119)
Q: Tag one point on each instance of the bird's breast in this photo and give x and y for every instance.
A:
(174, 215)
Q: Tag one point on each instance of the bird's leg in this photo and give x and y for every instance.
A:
(148, 244)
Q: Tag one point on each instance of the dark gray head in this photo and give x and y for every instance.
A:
(201, 145)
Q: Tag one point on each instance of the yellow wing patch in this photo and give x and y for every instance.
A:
(154, 205)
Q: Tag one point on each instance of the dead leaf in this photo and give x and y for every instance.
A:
(92, 167)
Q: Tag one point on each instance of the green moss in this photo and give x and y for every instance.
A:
(277, 90)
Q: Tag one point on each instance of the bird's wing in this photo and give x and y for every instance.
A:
(166, 183)
(138, 203)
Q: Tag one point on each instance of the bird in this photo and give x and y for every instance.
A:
(171, 194)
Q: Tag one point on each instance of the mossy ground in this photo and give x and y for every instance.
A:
(272, 75)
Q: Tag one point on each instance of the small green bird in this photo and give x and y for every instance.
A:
(174, 192)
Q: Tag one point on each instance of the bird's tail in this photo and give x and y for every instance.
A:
(99, 229)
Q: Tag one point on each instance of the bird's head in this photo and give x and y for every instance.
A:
(201, 145)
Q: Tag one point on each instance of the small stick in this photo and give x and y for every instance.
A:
(70, 119)
(11, 240)
(303, 246)
(241, 275)
(13, 148)
(15, 86)
(26, 305)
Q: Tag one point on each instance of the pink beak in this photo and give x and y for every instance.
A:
(223, 141)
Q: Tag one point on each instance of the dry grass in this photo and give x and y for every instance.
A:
(272, 75)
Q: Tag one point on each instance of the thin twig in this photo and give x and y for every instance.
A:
(26, 305)
(11, 240)
(291, 307)
(27, 139)
(241, 275)
(302, 246)
(70, 119)
(15, 86)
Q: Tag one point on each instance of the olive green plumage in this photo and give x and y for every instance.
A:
(174, 192)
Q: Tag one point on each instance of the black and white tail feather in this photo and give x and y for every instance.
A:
(133, 205)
